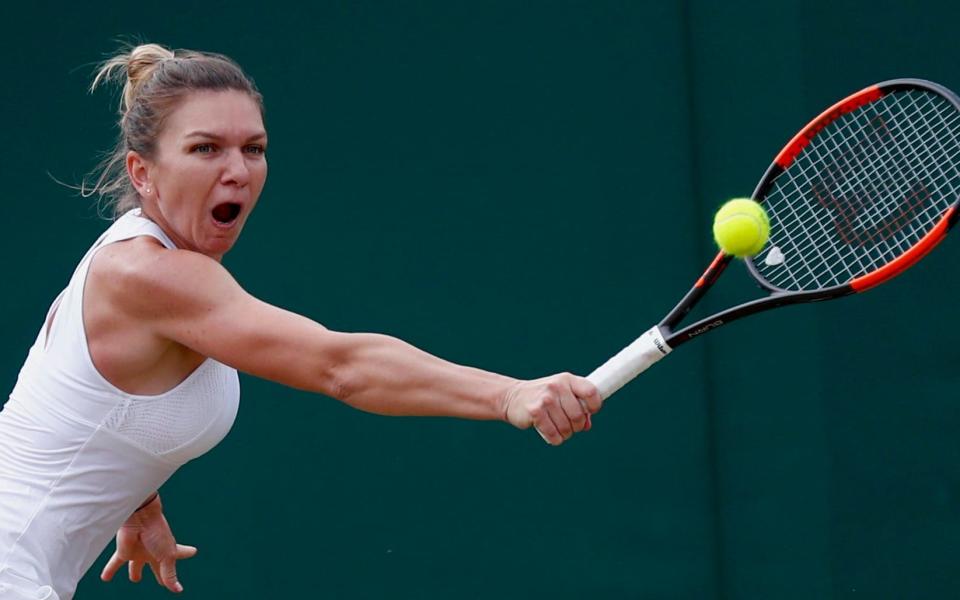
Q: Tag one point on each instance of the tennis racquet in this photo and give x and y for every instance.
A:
(859, 195)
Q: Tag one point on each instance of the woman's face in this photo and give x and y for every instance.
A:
(207, 172)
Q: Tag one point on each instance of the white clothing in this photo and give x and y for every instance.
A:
(78, 455)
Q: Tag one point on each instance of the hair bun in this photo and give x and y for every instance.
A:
(143, 61)
(133, 68)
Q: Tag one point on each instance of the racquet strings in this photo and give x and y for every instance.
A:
(865, 190)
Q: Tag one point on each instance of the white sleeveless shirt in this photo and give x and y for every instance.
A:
(78, 455)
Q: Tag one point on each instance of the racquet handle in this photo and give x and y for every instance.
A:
(629, 362)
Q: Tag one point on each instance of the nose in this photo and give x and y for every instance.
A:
(235, 171)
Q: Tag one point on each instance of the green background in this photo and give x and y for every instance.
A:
(524, 187)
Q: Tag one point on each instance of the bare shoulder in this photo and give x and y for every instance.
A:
(163, 295)
(142, 277)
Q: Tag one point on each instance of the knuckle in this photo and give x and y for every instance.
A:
(163, 556)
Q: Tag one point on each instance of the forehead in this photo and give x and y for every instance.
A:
(226, 113)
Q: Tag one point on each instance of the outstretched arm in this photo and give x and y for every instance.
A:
(191, 299)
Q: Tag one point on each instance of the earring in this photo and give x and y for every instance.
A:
(147, 189)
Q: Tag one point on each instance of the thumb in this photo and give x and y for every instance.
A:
(584, 389)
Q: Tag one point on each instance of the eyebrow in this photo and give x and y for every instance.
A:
(215, 137)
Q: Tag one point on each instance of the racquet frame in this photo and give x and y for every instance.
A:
(661, 339)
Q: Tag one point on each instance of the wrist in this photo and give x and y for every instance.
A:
(154, 497)
(504, 397)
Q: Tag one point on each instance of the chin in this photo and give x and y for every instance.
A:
(217, 248)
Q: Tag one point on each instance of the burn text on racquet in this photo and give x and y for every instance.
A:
(856, 197)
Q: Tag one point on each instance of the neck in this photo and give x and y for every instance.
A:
(150, 210)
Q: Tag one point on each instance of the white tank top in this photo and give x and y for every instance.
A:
(78, 455)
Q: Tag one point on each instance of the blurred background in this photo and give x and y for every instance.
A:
(524, 187)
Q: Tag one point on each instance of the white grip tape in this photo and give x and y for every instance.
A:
(629, 362)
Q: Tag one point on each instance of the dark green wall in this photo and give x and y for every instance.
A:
(524, 187)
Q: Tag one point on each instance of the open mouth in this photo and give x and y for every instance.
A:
(226, 212)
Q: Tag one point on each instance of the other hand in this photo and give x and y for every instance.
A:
(145, 539)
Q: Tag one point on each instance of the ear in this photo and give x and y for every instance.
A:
(139, 172)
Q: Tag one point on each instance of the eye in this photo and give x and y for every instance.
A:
(255, 149)
(205, 148)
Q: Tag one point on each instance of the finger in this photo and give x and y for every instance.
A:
(547, 430)
(113, 565)
(135, 567)
(168, 573)
(589, 424)
(560, 419)
(184, 551)
(586, 391)
(542, 435)
(574, 411)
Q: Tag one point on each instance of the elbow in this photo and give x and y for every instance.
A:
(336, 374)
(355, 368)
(347, 386)
(337, 384)
(363, 369)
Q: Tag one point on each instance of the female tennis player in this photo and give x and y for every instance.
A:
(134, 370)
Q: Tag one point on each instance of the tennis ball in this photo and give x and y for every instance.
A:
(741, 227)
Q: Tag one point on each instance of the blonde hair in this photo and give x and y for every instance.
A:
(155, 79)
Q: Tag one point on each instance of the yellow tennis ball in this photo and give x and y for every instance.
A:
(741, 227)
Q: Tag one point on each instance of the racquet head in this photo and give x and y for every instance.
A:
(862, 192)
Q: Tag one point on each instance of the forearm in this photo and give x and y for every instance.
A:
(388, 376)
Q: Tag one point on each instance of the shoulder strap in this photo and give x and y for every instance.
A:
(133, 224)
(130, 225)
